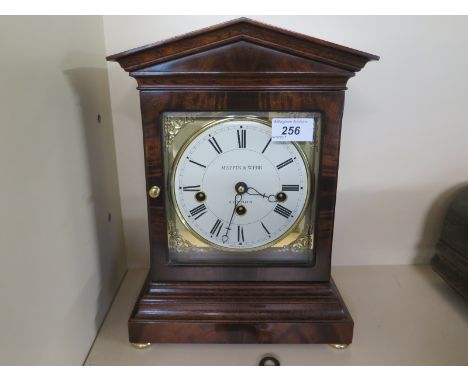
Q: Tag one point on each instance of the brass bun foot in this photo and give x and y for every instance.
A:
(141, 346)
(339, 346)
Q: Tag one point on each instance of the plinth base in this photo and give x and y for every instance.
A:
(240, 313)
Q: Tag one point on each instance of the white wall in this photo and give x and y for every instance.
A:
(404, 145)
(62, 254)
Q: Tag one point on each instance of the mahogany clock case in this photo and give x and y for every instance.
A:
(242, 66)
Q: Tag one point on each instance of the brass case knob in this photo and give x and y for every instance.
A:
(154, 192)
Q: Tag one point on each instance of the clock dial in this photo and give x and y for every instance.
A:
(236, 189)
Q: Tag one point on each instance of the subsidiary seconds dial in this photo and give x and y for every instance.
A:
(236, 189)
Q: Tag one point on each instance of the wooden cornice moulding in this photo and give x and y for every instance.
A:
(217, 51)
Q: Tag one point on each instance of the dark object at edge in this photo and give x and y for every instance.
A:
(451, 258)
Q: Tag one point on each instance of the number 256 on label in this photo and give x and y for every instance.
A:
(292, 129)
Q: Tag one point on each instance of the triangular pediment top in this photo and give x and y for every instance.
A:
(295, 44)
(243, 57)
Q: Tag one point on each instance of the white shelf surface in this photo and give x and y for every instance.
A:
(403, 315)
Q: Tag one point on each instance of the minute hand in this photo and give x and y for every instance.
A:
(252, 191)
(225, 237)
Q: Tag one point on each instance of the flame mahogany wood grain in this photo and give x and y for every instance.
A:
(241, 65)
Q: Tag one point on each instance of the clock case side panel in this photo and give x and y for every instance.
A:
(155, 103)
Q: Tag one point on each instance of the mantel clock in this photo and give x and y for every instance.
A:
(241, 126)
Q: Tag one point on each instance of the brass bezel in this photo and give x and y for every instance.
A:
(173, 200)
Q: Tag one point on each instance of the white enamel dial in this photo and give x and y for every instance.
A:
(236, 189)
